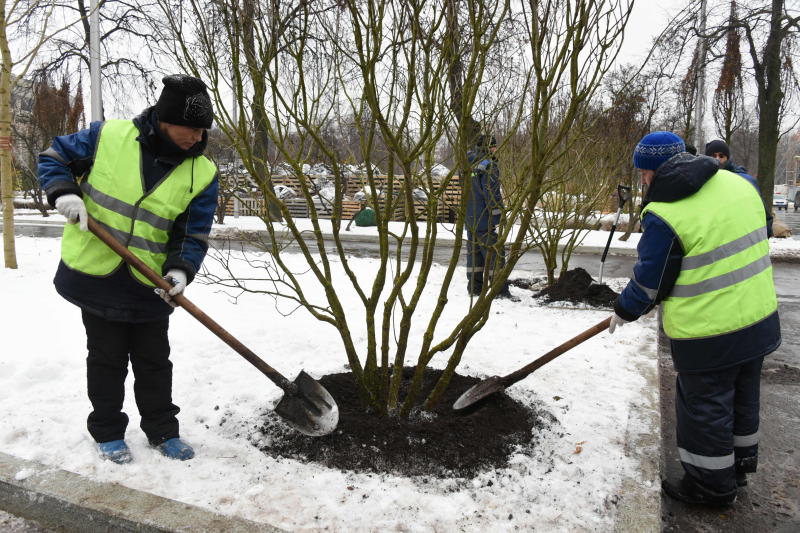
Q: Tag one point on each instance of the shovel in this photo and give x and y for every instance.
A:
(494, 384)
(623, 193)
(306, 405)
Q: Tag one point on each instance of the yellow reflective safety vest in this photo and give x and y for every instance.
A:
(725, 283)
(114, 196)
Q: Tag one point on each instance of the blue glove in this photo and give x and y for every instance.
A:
(71, 206)
(178, 279)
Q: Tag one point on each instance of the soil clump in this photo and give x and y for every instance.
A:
(577, 286)
(438, 443)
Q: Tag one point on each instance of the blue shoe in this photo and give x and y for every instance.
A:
(175, 448)
(115, 451)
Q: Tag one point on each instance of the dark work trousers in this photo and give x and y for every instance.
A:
(146, 344)
(717, 423)
(481, 251)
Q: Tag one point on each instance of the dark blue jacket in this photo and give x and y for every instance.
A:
(485, 201)
(119, 296)
(658, 266)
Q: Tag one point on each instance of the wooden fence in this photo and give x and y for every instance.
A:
(299, 208)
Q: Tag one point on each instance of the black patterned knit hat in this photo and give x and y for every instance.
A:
(184, 101)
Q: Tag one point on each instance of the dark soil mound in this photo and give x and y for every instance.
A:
(440, 443)
(576, 286)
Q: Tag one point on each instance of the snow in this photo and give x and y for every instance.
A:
(595, 392)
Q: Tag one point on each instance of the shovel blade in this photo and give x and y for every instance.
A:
(479, 391)
(310, 408)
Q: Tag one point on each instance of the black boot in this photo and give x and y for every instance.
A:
(688, 490)
(744, 466)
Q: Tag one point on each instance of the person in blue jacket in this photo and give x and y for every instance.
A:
(704, 257)
(483, 215)
(147, 182)
(719, 150)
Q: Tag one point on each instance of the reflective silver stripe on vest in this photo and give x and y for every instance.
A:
(741, 441)
(725, 280)
(651, 293)
(126, 209)
(726, 250)
(704, 461)
(136, 242)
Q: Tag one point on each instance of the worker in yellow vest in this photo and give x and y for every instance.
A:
(147, 182)
(704, 257)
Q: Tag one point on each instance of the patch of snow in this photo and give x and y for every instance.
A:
(592, 391)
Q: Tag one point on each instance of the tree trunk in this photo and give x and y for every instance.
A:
(770, 97)
(6, 172)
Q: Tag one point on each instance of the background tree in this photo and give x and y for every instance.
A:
(26, 26)
(728, 107)
(56, 110)
(770, 31)
(127, 66)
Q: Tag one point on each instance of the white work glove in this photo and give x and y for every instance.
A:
(178, 279)
(616, 321)
(73, 209)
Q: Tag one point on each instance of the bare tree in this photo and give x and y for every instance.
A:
(27, 24)
(412, 74)
(123, 29)
(55, 110)
(728, 105)
(772, 68)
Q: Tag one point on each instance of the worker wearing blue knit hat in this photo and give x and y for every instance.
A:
(704, 258)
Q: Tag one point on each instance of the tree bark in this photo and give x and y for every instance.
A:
(770, 97)
(6, 171)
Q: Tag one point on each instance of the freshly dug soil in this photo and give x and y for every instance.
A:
(576, 286)
(439, 443)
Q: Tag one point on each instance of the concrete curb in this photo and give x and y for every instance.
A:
(65, 501)
(640, 507)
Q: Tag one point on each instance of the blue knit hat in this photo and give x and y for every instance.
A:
(655, 148)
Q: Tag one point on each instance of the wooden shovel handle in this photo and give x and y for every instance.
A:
(192, 309)
(555, 352)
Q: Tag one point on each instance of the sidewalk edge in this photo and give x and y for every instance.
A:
(66, 501)
(640, 507)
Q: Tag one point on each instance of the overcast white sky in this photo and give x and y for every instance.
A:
(648, 19)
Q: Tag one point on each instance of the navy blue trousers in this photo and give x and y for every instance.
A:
(111, 345)
(717, 423)
(482, 251)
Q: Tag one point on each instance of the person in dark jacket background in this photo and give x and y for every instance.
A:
(147, 182)
(719, 150)
(704, 257)
(483, 215)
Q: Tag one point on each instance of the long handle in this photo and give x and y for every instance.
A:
(523, 372)
(193, 310)
(623, 193)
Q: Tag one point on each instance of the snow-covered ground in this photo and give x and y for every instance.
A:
(573, 481)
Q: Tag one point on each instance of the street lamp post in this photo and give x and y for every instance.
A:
(94, 62)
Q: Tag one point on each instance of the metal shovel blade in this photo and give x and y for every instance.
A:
(479, 391)
(309, 407)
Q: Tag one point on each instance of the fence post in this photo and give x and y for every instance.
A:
(237, 206)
